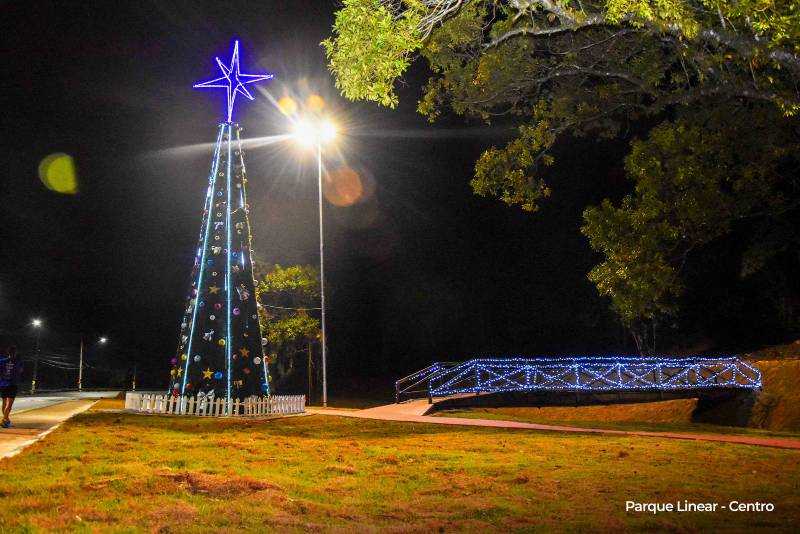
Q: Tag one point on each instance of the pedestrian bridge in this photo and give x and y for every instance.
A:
(591, 374)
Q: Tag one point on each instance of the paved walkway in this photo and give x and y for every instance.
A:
(413, 412)
(33, 424)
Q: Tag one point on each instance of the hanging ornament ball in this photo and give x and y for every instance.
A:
(218, 375)
(255, 316)
(235, 356)
(217, 306)
(183, 356)
(176, 386)
(221, 342)
(173, 373)
(173, 361)
(188, 386)
(197, 357)
(263, 342)
(257, 360)
(212, 317)
(194, 292)
(184, 324)
(246, 370)
(236, 311)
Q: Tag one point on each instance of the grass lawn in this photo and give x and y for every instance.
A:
(126, 473)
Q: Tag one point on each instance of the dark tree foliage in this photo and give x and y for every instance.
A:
(717, 79)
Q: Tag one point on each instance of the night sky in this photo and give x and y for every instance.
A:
(418, 269)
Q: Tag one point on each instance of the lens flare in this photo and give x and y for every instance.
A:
(305, 133)
(315, 103)
(343, 187)
(287, 105)
(327, 131)
(57, 173)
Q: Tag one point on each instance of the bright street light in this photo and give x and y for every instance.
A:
(103, 340)
(310, 133)
(37, 323)
(317, 133)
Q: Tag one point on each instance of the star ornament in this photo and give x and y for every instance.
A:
(233, 81)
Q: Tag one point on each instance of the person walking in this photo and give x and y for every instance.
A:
(10, 370)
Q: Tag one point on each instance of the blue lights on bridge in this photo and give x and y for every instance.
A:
(584, 373)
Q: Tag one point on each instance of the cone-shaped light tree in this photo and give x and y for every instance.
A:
(220, 351)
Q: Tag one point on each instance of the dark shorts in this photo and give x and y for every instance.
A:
(9, 392)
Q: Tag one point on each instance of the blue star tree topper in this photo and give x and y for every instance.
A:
(233, 81)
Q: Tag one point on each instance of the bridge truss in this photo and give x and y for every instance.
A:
(597, 374)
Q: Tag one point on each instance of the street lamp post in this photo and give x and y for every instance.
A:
(309, 134)
(80, 367)
(102, 341)
(324, 342)
(37, 324)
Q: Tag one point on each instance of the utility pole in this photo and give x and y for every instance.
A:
(80, 368)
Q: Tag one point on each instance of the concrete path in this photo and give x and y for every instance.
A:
(42, 400)
(413, 412)
(32, 424)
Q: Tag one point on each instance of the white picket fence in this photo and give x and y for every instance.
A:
(252, 407)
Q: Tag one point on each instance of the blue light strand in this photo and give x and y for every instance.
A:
(598, 374)
(228, 288)
(209, 204)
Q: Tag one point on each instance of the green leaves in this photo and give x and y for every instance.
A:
(505, 173)
(286, 295)
(371, 48)
(301, 280)
(291, 329)
(693, 183)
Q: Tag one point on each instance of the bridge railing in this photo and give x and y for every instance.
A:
(422, 381)
(605, 374)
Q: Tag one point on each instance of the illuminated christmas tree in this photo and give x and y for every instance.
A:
(220, 351)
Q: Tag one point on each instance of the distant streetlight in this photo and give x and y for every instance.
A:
(308, 134)
(101, 341)
(37, 324)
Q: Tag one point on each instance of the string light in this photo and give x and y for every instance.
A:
(584, 373)
(212, 182)
(228, 288)
(233, 81)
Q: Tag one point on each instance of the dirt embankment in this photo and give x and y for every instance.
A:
(778, 405)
